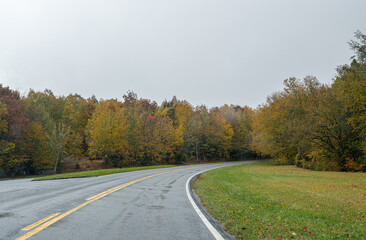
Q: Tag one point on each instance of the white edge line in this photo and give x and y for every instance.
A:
(211, 228)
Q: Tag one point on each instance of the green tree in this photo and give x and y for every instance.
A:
(196, 135)
(359, 47)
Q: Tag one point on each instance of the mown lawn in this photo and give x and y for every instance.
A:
(265, 201)
(101, 172)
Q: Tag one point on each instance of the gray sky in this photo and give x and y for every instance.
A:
(205, 51)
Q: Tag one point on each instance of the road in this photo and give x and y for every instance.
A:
(149, 204)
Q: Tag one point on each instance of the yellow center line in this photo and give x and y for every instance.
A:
(89, 200)
(40, 222)
(132, 182)
(109, 190)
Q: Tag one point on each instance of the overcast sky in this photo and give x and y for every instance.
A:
(205, 51)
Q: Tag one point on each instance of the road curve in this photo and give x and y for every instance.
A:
(149, 204)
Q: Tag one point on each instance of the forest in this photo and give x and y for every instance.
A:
(38, 131)
(309, 124)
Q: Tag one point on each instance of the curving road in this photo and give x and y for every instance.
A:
(149, 204)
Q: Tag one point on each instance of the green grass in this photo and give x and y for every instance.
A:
(261, 200)
(101, 172)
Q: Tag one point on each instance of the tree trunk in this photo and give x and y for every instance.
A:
(197, 151)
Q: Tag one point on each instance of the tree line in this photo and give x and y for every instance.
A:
(39, 130)
(318, 126)
(312, 125)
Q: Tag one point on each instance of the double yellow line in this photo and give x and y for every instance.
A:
(48, 221)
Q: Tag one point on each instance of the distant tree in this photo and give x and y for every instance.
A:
(8, 161)
(62, 143)
(38, 149)
(107, 133)
(359, 47)
(219, 136)
(77, 112)
(12, 147)
(3, 119)
(17, 123)
(193, 134)
(37, 109)
(197, 131)
(241, 120)
(165, 140)
(7, 156)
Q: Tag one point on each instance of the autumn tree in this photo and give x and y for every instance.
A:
(107, 132)
(18, 123)
(7, 158)
(219, 136)
(165, 140)
(62, 122)
(17, 127)
(39, 152)
(196, 135)
(350, 84)
(241, 120)
(179, 112)
(333, 138)
(77, 112)
(282, 124)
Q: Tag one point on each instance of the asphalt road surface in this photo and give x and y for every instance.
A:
(149, 204)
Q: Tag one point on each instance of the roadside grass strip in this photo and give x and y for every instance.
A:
(48, 221)
(100, 172)
(265, 201)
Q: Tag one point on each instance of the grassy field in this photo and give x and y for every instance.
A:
(101, 172)
(265, 201)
